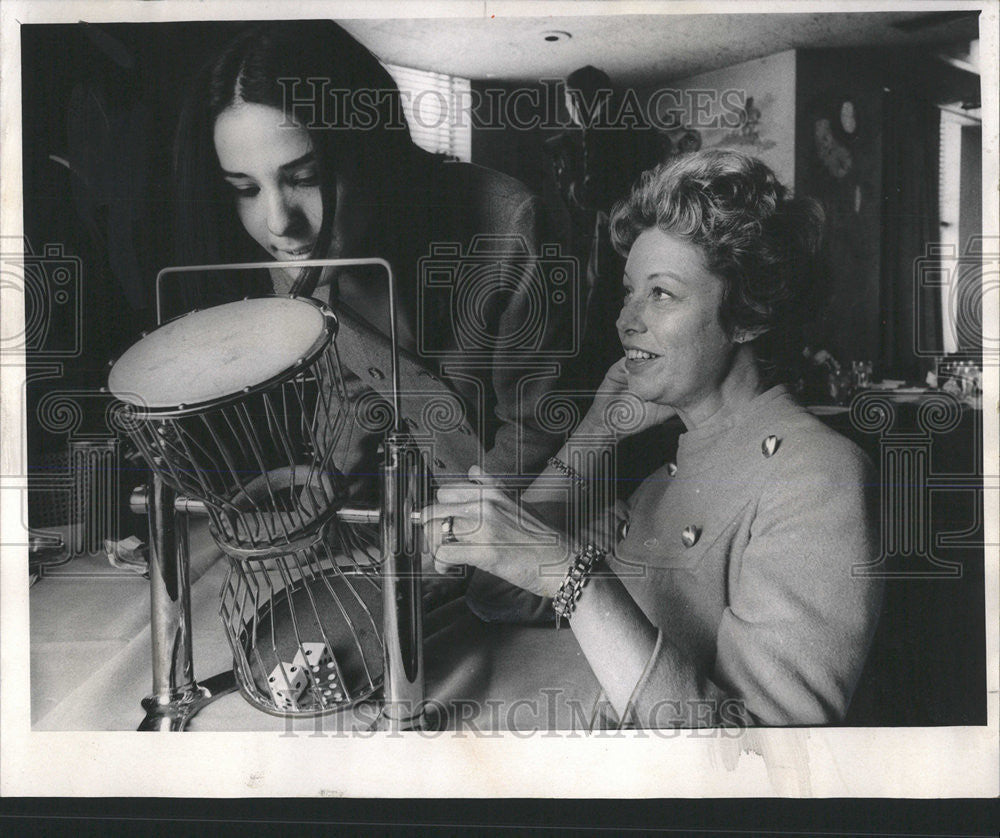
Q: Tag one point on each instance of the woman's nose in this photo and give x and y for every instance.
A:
(629, 320)
(280, 214)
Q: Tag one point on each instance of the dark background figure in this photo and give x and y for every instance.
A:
(595, 162)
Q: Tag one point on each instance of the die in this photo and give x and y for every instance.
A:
(287, 682)
(318, 661)
(313, 657)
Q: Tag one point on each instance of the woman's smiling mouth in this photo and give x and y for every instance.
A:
(639, 355)
(298, 253)
(637, 359)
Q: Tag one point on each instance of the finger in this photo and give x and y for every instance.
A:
(470, 513)
(446, 560)
(431, 568)
(464, 493)
(441, 530)
(468, 493)
(477, 475)
(445, 569)
(617, 372)
(450, 556)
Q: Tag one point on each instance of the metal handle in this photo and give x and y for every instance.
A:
(194, 506)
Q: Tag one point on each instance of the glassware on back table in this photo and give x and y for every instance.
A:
(861, 374)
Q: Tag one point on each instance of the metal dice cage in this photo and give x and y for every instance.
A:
(301, 602)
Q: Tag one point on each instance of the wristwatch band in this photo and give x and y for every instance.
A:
(569, 472)
(566, 598)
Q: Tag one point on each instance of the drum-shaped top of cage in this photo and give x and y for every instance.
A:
(242, 406)
(220, 352)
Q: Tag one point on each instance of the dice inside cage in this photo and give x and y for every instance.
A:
(306, 626)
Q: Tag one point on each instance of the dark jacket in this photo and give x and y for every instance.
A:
(496, 313)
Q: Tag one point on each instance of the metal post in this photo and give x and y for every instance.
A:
(401, 589)
(176, 696)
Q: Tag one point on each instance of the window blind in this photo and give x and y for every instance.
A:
(435, 106)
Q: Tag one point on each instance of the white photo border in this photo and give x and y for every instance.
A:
(820, 762)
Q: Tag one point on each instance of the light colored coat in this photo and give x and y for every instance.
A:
(749, 558)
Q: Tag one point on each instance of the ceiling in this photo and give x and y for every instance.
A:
(636, 49)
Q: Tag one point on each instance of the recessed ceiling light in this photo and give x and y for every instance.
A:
(556, 35)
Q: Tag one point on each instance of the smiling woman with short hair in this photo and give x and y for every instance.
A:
(731, 597)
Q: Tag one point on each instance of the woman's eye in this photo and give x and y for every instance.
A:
(305, 180)
(661, 294)
(245, 190)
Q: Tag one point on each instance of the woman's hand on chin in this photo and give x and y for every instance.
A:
(619, 413)
(492, 532)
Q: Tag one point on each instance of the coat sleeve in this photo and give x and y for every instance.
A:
(533, 336)
(522, 375)
(793, 640)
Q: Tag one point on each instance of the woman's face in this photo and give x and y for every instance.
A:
(677, 352)
(275, 178)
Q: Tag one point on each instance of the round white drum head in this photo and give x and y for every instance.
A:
(218, 352)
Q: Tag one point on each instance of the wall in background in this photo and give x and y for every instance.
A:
(753, 106)
(499, 145)
(818, 118)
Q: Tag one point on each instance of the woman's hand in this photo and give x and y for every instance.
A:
(495, 534)
(619, 413)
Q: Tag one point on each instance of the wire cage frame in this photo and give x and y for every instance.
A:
(305, 628)
(304, 599)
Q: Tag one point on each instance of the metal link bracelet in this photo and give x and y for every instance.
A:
(566, 598)
(568, 471)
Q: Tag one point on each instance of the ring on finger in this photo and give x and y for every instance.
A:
(448, 530)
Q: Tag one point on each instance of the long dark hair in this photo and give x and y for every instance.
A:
(318, 75)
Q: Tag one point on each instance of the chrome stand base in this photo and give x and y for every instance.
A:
(175, 713)
(177, 696)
